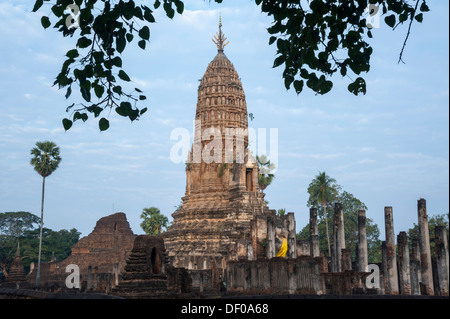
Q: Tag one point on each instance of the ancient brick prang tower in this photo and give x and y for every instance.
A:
(222, 192)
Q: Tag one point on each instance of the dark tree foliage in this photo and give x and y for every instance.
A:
(14, 224)
(153, 222)
(58, 243)
(23, 228)
(315, 39)
(433, 221)
(350, 206)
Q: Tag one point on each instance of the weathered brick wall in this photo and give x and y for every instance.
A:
(275, 276)
(206, 281)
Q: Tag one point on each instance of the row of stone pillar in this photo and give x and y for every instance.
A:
(410, 274)
(415, 275)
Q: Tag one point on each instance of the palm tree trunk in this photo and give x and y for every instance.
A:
(38, 274)
(326, 227)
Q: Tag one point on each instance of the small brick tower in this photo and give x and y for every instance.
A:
(16, 276)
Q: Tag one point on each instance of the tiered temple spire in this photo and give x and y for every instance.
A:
(222, 191)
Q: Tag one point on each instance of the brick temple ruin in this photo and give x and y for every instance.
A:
(114, 261)
(224, 240)
(101, 258)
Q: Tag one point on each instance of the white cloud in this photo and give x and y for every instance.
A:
(326, 156)
(367, 149)
(408, 155)
(441, 94)
(363, 120)
(198, 19)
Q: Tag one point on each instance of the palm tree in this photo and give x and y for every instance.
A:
(45, 161)
(265, 167)
(323, 190)
(153, 221)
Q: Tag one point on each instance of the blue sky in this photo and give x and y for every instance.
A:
(388, 148)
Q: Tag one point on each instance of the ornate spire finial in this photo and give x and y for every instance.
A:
(219, 38)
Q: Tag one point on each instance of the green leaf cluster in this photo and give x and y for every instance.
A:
(153, 222)
(402, 11)
(45, 158)
(318, 38)
(433, 221)
(94, 67)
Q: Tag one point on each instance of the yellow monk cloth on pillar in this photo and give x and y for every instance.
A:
(283, 250)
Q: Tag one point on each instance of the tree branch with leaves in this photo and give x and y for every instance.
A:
(315, 40)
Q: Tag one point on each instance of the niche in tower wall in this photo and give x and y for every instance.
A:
(155, 261)
(249, 179)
